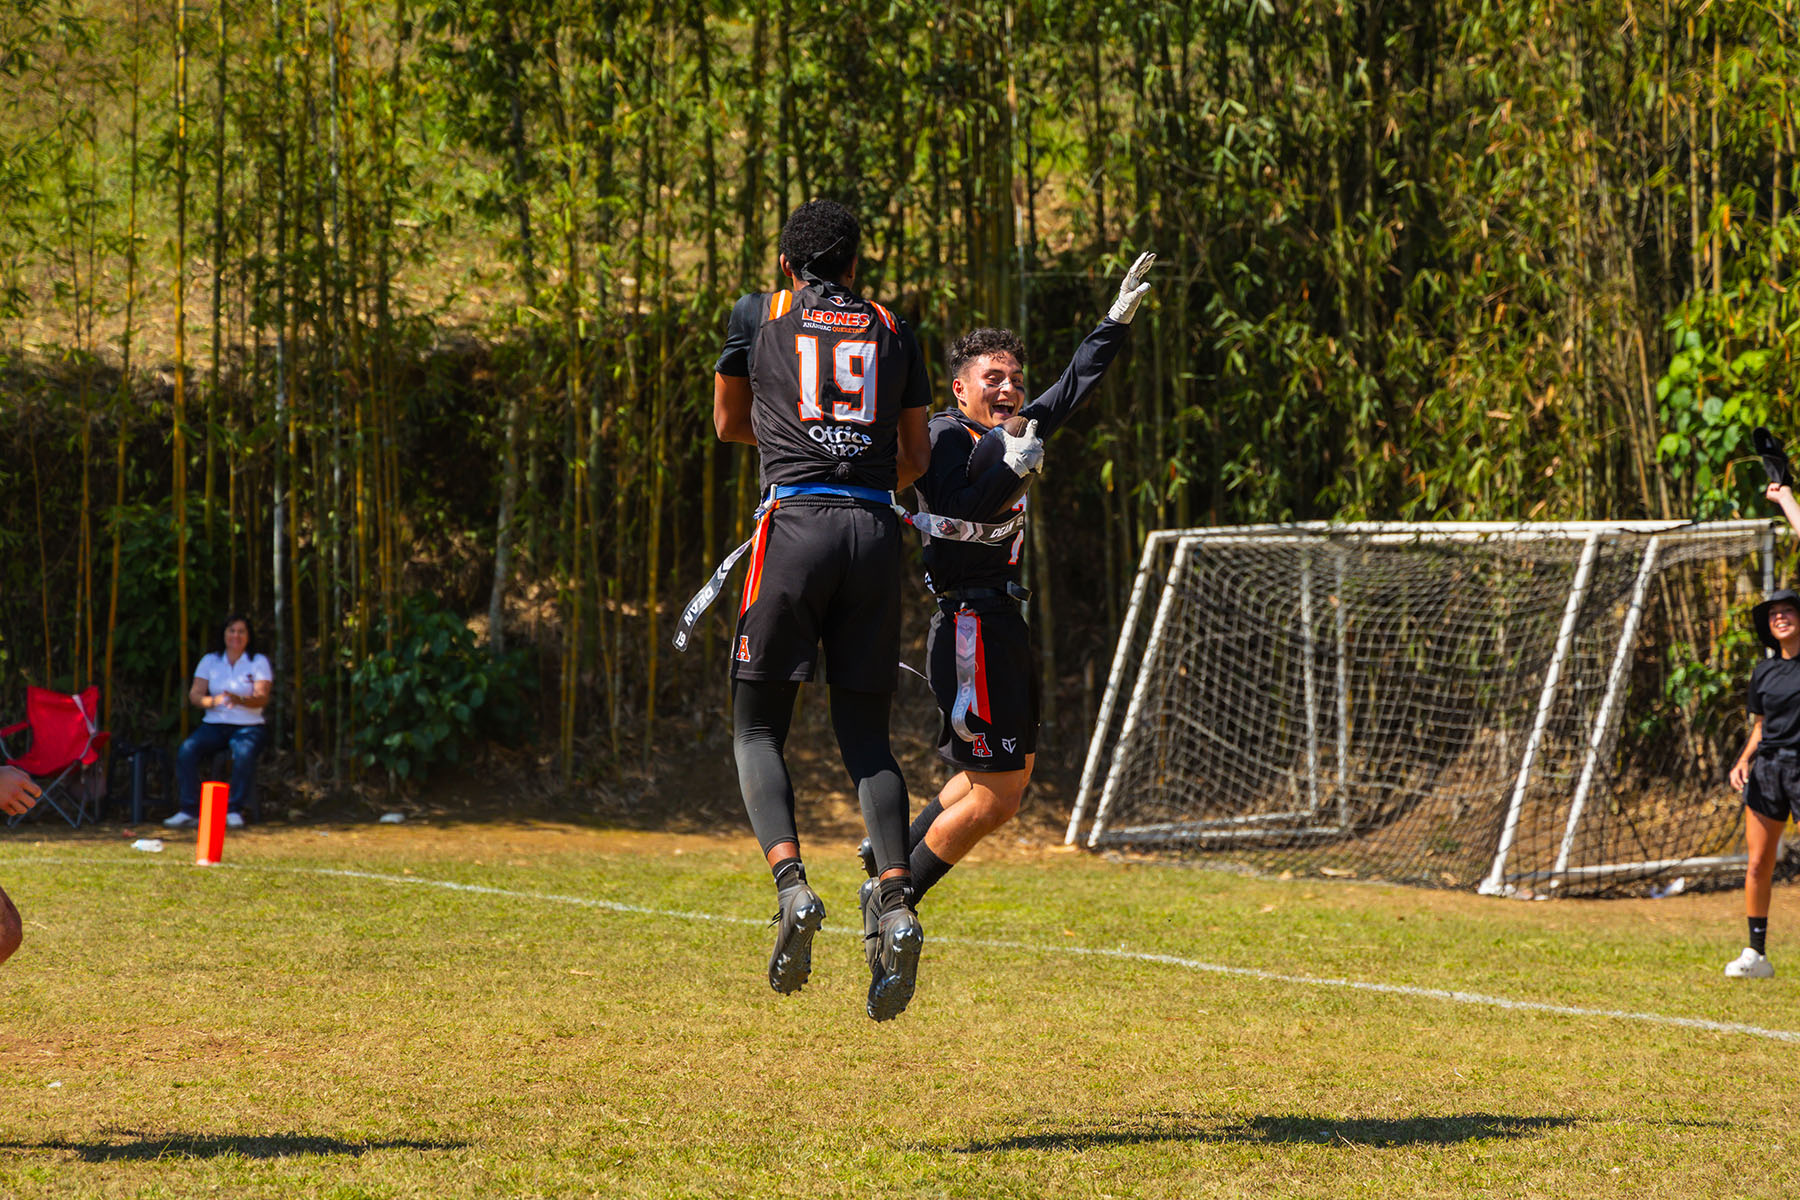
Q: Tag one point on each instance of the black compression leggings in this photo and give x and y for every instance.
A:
(761, 714)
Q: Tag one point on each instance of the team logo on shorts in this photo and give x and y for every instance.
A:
(1009, 743)
(743, 650)
(980, 747)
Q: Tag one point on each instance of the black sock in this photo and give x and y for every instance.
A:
(916, 834)
(1759, 934)
(788, 872)
(927, 869)
(896, 890)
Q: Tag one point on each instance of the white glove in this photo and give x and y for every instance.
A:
(1025, 453)
(1132, 289)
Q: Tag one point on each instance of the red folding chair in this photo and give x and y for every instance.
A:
(65, 737)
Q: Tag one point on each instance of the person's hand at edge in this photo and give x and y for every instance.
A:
(17, 792)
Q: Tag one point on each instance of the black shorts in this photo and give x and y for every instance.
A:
(1004, 716)
(823, 569)
(1774, 786)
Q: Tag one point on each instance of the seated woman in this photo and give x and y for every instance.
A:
(232, 684)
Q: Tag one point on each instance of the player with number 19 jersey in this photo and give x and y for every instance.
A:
(830, 373)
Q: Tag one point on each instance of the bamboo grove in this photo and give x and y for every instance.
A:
(315, 308)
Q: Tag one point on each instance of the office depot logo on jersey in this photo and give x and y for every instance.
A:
(826, 319)
(842, 442)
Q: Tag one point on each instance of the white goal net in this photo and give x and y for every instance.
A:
(1523, 709)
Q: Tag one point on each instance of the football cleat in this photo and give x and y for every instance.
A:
(799, 916)
(895, 971)
(1749, 965)
(866, 852)
(869, 900)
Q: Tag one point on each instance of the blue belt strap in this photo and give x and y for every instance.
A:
(782, 491)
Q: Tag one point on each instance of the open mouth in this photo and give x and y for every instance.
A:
(1004, 410)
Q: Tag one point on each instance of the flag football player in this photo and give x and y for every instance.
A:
(983, 671)
(831, 388)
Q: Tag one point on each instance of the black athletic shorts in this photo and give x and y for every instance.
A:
(1774, 786)
(1004, 716)
(824, 569)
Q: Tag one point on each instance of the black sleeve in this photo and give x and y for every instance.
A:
(740, 334)
(918, 384)
(1092, 357)
(946, 488)
(1754, 700)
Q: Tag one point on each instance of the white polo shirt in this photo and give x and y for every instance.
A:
(237, 679)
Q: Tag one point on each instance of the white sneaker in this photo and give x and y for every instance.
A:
(180, 820)
(1749, 965)
(234, 820)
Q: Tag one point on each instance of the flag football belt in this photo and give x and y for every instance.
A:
(950, 529)
(953, 600)
(968, 642)
(947, 528)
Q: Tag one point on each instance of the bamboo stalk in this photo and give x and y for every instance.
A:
(179, 407)
(37, 500)
(218, 266)
(123, 401)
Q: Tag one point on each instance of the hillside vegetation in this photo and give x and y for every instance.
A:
(384, 321)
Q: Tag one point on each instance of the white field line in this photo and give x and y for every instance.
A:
(1478, 999)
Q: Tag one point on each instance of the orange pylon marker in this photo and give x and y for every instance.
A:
(209, 846)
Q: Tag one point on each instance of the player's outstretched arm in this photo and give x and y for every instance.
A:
(1783, 496)
(1094, 355)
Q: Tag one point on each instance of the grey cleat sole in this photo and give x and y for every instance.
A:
(866, 852)
(790, 965)
(891, 990)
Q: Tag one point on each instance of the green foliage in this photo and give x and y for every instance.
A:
(435, 694)
(1709, 402)
(1416, 260)
(1702, 691)
(146, 642)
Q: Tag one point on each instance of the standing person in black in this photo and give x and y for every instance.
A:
(981, 664)
(1768, 771)
(831, 389)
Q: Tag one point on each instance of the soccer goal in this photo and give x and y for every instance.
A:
(1524, 709)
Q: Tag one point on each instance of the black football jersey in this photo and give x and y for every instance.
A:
(949, 489)
(1775, 697)
(829, 375)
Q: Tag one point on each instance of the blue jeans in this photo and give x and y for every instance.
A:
(245, 741)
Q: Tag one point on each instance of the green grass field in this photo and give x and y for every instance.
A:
(320, 1017)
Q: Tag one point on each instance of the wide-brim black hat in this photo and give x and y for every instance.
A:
(1760, 614)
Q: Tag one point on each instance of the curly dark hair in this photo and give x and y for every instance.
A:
(977, 342)
(821, 236)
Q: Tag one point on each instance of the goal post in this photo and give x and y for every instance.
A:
(1537, 708)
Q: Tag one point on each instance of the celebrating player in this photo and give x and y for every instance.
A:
(982, 668)
(831, 389)
(1768, 771)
